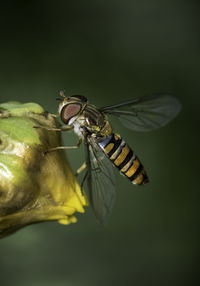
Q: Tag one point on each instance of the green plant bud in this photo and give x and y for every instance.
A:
(34, 187)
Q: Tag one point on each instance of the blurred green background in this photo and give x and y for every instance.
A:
(111, 51)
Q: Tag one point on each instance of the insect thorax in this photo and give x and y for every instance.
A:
(92, 121)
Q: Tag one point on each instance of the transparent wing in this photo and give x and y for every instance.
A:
(145, 113)
(100, 181)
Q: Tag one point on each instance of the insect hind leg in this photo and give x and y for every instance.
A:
(84, 179)
(83, 167)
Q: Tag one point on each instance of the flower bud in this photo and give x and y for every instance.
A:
(34, 187)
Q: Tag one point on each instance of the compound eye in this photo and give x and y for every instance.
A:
(69, 111)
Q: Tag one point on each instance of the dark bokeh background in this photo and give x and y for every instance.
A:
(111, 51)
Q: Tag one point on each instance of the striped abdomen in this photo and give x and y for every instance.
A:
(122, 156)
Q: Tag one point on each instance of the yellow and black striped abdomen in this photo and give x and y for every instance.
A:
(122, 156)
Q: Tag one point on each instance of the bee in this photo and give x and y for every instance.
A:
(104, 148)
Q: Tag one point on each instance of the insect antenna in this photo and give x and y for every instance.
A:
(62, 93)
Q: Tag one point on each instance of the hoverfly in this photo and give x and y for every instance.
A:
(103, 145)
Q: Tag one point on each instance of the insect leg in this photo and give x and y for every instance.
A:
(64, 147)
(83, 181)
(63, 128)
(80, 169)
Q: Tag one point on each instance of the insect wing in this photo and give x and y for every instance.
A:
(100, 181)
(145, 113)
